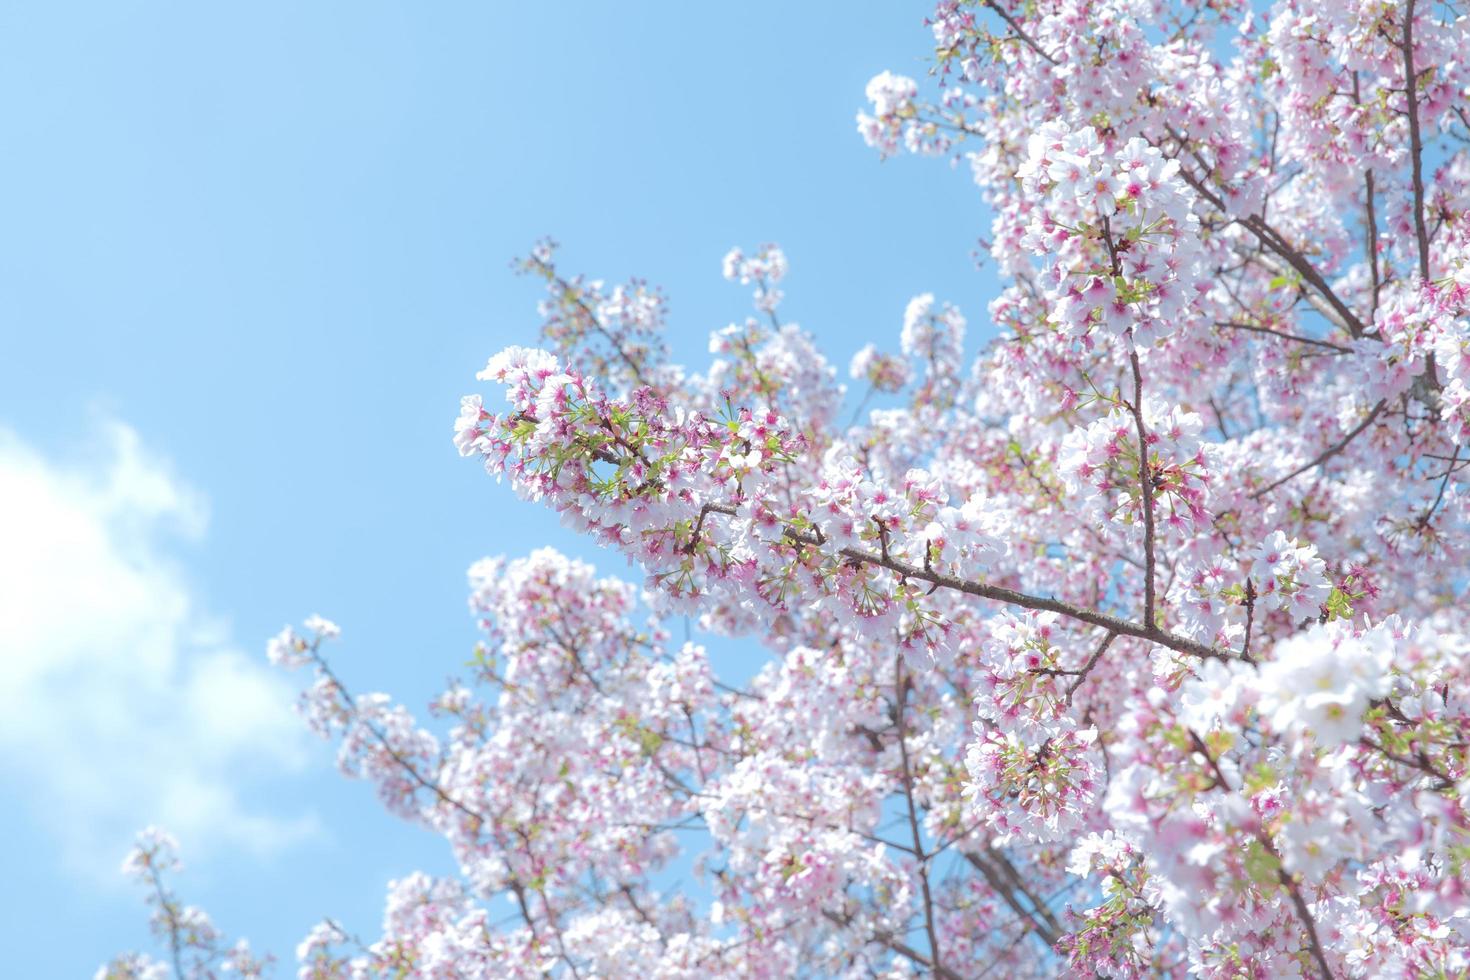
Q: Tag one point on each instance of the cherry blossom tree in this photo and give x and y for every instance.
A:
(1135, 648)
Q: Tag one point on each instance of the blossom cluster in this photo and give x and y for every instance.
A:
(1134, 647)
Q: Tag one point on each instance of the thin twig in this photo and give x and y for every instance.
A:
(908, 795)
(997, 593)
(1146, 487)
(885, 938)
(1416, 143)
(1015, 25)
(1326, 454)
(1257, 328)
(1276, 242)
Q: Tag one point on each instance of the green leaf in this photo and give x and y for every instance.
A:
(1262, 866)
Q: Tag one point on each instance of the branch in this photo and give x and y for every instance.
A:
(908, 795)
(1002, 888)
(1416, 143)
(1422, 763)
(1091, 663)
(1439, 497)
(1273, 240)
(1250, 618)
(1314, 942)
(1256, 328)
(1041, 908)
(377, 733)
(997, 593)
(885, 938)
(1146, 488)
(1327, 453)
(1015, 25)
(569, 292)
(170, 909)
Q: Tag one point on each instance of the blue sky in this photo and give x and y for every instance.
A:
(251, 256)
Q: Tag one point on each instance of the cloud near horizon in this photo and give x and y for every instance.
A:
(122, 702)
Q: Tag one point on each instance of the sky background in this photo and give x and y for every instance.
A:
(250, 257)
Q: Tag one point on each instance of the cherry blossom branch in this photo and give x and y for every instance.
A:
(1257, 328)
(1081, 673)
(1092, 662)
(517, 888)
(574, 295)
(1326, 454)
(1421, 762)
(1283, 877)
(1293, 890)
(997, 593)
(1040, 603)
(1370, 235)
(1276, 242)
(1048, 933)
(1020, 31)
(1146, 488)
(1039, 906)
(1416, 142)
(1250, 618)
(1444, 483)
(626, 891)
(168, 906)
(1370, 221)
(406, 765)
(885, 938)
(908, 795)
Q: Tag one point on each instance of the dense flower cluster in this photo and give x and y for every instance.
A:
(1136, 648)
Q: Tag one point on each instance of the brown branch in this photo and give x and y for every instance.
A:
(1371, 244)
(1250, 617)
(1420, 762)
(1015, 25)
(170, 909)
(1092, 662)
(1273, 240)
(1326, 454)
(1002, 887)
(908, 795)
(627, 892)
(1146, 488)
(885, 938)
(1416, 143)
(377, 733)
(1314, 942)
(997, 593)
(1439, 497)
(1040, 907)
(572, 293)
(1257, 328)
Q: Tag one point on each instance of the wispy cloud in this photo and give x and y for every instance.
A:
(122, 702)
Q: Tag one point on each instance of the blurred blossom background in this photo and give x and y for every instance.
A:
(250, 258)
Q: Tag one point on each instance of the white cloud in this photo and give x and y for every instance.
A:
(121, 702)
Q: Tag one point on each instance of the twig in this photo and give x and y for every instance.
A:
(1001, 887)
(573, 294)
(997, 593)
(1015, 25)
(1091, 663)
(1326, 454)
(885, 938)
(1416, 143)
(1146, 488)
(1273, 240)
(908, 795)
(1256, 328)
